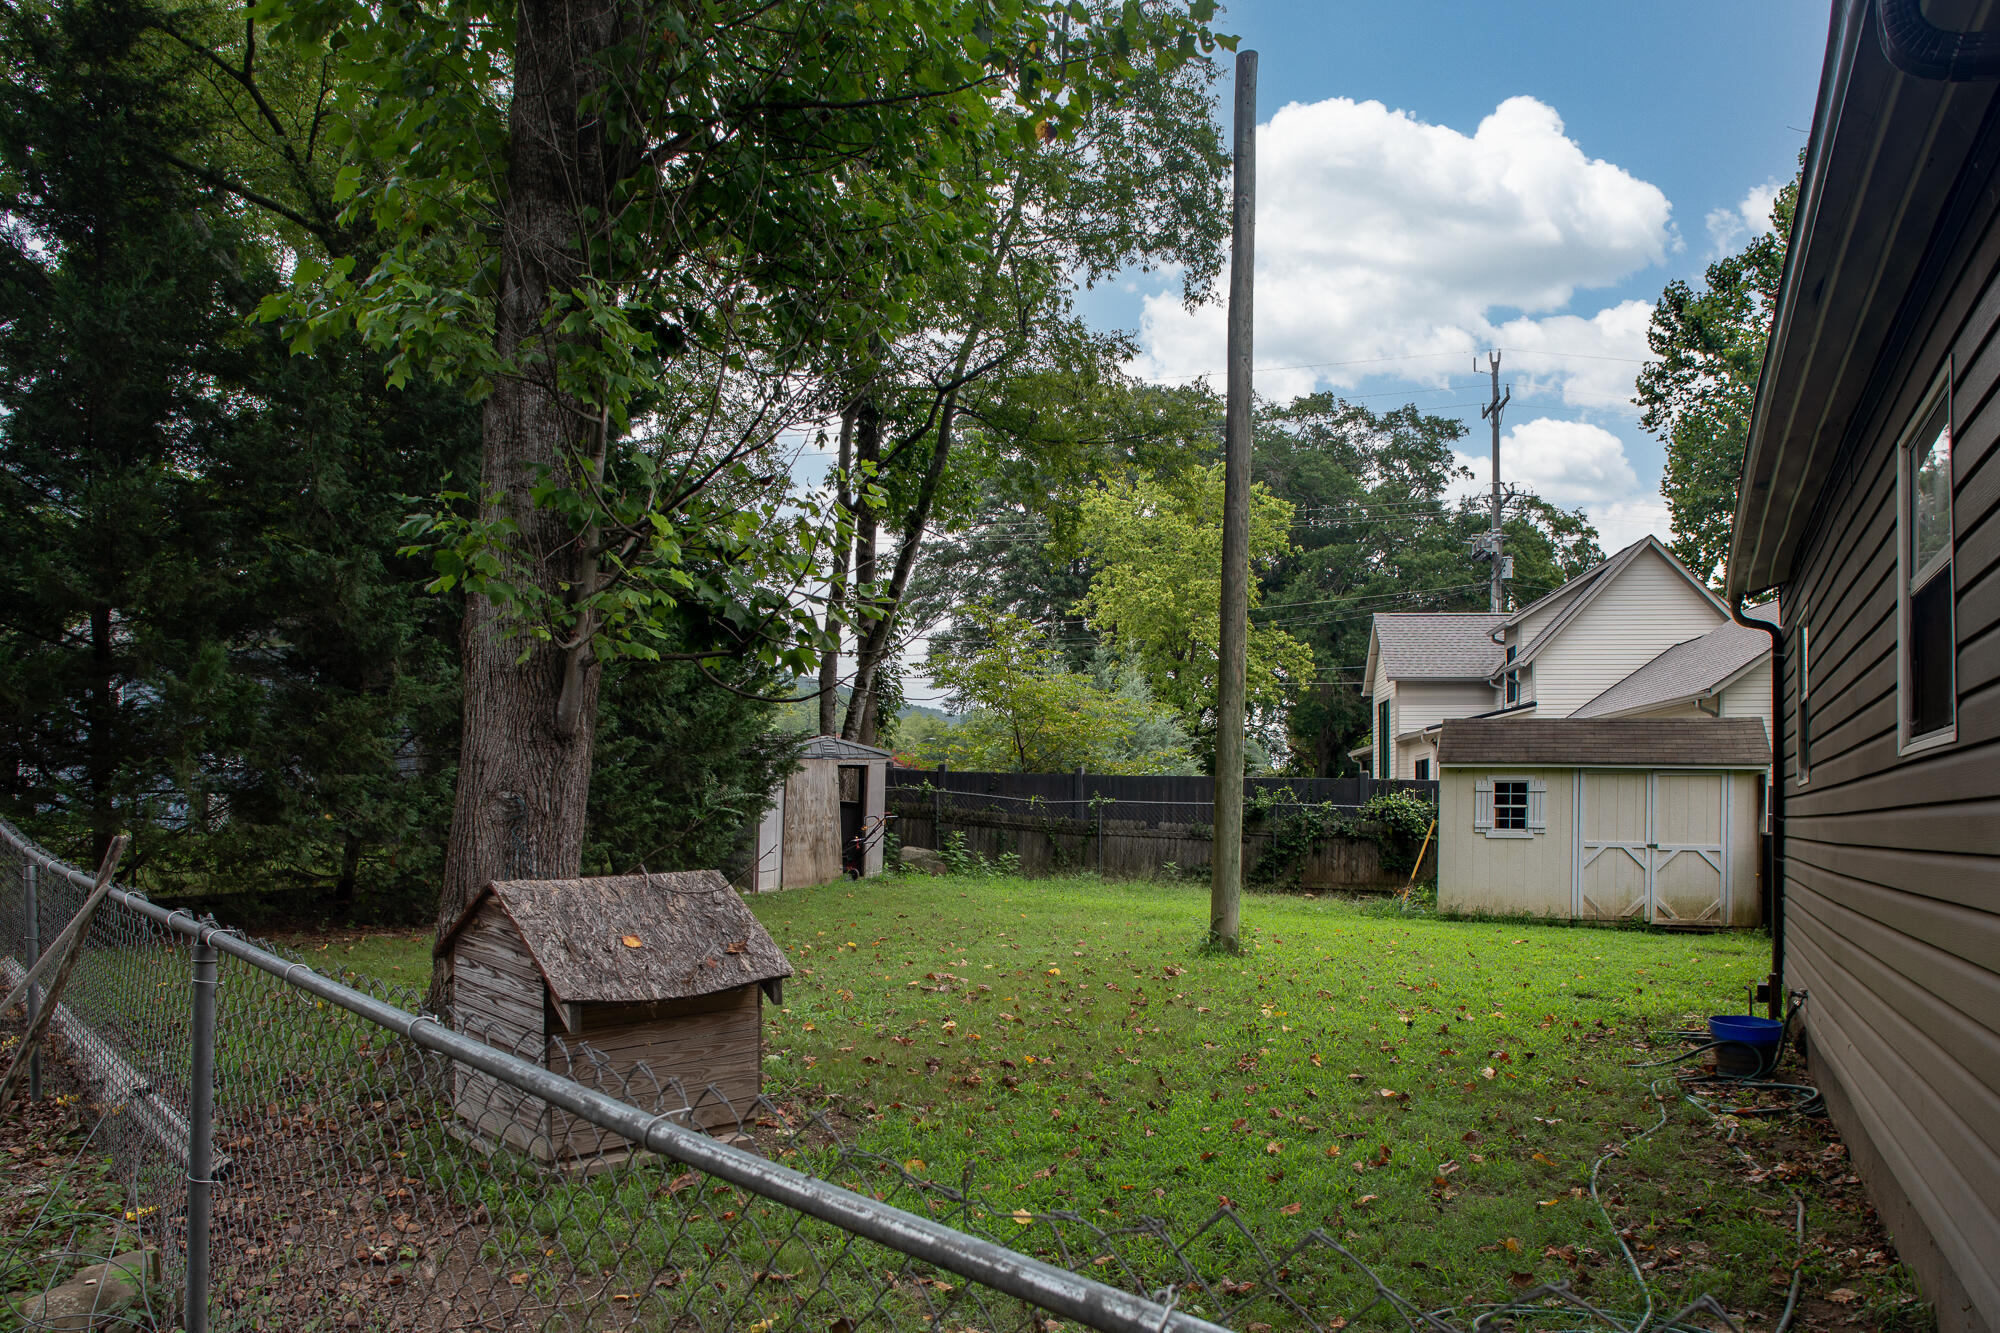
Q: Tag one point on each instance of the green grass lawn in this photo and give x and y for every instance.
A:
(1431, 1093)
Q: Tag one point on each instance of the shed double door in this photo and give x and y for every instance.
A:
(1653, 845)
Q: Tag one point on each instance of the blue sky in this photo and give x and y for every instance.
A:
(1438, 178)
(1441, 178)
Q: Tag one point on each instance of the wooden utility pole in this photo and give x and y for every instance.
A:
(1491, 411)
(1225, 909)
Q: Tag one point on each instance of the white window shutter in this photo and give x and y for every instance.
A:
(1482, 804)
(1538, 805)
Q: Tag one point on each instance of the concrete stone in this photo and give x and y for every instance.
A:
(922, 861)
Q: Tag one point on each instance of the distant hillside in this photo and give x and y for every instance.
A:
(804, 715)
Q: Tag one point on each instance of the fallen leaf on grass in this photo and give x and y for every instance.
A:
(1843, 1296)
(1022, 1217)
(1291, 1209)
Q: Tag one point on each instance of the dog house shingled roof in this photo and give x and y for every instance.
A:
(634, 938)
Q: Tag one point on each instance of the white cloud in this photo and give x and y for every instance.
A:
(1406, 246)
(1567, 463)
(1586, 363)
(1571, 464)
(1730, 228)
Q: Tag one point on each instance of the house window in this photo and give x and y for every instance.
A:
(1513, 678)
(1510, 807)
(1423, 770)
(1928, 667)
(1804, 710)
(1384, 743)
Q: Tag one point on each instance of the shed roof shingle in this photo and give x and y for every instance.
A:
(1439, 645)
(1623, 742)
(838, 747)
(1684, 671)
(695, 935)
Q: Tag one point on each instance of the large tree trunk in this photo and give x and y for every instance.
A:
(524, 752)
(862, 714)
(829, 662)
(867, 457)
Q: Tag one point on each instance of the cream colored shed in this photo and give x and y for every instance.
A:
(1656, 819)
(835, 795)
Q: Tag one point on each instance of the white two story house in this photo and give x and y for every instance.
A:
(1636, 635)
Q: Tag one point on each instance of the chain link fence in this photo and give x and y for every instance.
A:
(268, 1148)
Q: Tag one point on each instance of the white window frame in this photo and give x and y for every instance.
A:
(1907, 577)
(1483, 809)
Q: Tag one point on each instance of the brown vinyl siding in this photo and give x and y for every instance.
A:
(1893, 895)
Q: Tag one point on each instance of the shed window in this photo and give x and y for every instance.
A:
(1510, 807)
(1929, 641)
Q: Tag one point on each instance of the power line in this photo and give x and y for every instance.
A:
(1411, 356)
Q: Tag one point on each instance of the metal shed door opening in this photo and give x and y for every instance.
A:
(1653, 845)
(853, 812)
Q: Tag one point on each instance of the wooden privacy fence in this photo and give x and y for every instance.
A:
(1141, 826)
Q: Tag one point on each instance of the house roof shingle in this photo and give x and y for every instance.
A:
(1625, 742)
(1684, 671)
(1439, 645)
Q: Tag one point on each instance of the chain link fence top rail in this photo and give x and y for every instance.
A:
(349, 1193)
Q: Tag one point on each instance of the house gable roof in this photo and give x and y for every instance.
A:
(695, 935)
(1591, 584)
(1624, 742)
(1689, 670)
(1435, 645)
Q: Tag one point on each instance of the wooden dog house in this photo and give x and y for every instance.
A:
(629, 983)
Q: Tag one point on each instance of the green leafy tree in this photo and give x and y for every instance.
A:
(1697, 396)
(1155, 545)
(999, 381)
(684, 769)
(209, 638)
(1025, 711)
(1375, 528)
(651, 236)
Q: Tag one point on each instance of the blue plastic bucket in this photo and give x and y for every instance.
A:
(1761, 1034)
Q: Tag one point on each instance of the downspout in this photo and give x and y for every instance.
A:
(1924, 51)
(1774, 854)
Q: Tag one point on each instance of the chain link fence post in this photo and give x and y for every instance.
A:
(201, 1115)
(32, 928)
